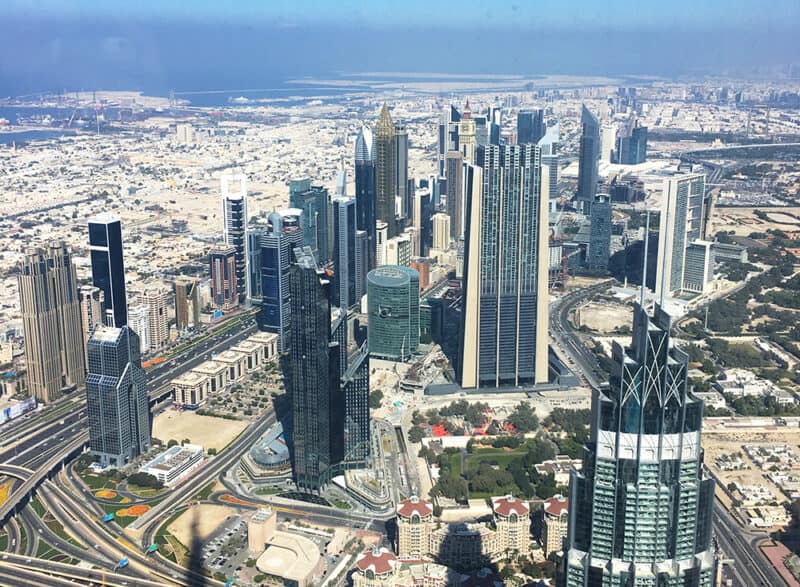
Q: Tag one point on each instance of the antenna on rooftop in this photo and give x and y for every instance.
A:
(644, 258)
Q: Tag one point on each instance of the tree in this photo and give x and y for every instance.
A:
(145, 480)
(375, 399)
(416, 434)
(172, 442)
(523, 418)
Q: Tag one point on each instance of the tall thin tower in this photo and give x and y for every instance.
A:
(234, 213)
(385, 171)
(365, 190)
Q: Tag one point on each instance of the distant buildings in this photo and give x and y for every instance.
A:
(51, 320)
(385, 171)
(632, 148)
(600, 234)
(505, 271)
(365, 191)
(116, 397)
(187, 303)
(108, 268)
(589, 158)
(224, 284)
(441, 231)
(234, 213)
(643, 466)
(393, 302)
(403, 202)
(448, 136)
(530, 126)
(549, 145)
(314, 202)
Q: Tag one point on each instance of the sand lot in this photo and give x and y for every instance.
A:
(207, 517)
(604, 317)
(207, 431)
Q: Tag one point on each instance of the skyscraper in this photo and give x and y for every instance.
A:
(356, 419)
(455, 194)
(234, 213)
(632, 147)
(362, 255)
(314, 202)
(116, 397)
(344, 252)
(365, 190)
(530, 126)
(385, 171)
(466, 135)
(108, 268)
(505, 270)
(92, 313)
(448, 135)
(393, 299)
(600, 234)
(157, 300)
(51, 321)
(314, 384)
(224, 290)
(402, 202)
(187, 303)
(441, 231)
(588, 160)
(640, 510)
(422, 221)
(283, 234)
(550, 163)
(681, 222)
(139, 324)
(254, 263)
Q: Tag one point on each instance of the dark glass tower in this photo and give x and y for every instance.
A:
(640, 510)
(530, 126)
(314, 382)
(314, 202)
(588, 161)
(365, 191)
(386, 171)
(600, 234)
(108, 269)
(344, 252)
(356, 423)
(632, 149)
(234, 214)
(254, 236)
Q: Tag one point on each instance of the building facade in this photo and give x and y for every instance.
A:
(385, 171)
(224, 284)
(355, 385)
(530, 126)
(555, 524)
(589, 157)
(365, 191)
(402, 199)
(441, 231)
(187, 303)
(234, 214)
(600, 234)
(157, 301)
(93, 312)
(139, 322)
(393, 310)
(455, 194)
(314, 203)
(344, 252)
(108, 267)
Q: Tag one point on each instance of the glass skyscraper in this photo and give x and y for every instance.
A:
(355, 383)
(393, 302)
(344, 252)
(385, 171)
(600, 234)
(234, 214)
(314, 202)
(116, 397)
(589, 159)
(530, 126)
(640, 510)
(506, 259)
(365, 191)
(108, 269)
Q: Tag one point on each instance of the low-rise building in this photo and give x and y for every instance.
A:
(190, 390)
(560, 467)
(252, 351)
(174, 464)
(268, 342)
(260, 529)
(290, 559)
(217, 374)
(379, 567)
(235, 362)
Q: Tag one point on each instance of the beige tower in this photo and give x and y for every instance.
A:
(187, 303)
(512, 516)
(92, 313)
(414, 526)
(441, 231)
(156, 299)
(51, 318)
(466, 135)
(555, 523)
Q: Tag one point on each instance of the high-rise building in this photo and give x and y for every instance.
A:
(314, 383)
(441, 231)
(116, 397)
(402, 199)
(698, 269)
(355, 384)
(530, 126)
(187, 303)
(385, 171)
(423, 210)
(393, 302)
(157, 301)
(399, 250)
(108, 268)
(224, 290)
(415, 522)
(640, 510)
(139, 323)
(608, 142)
(600, 234)
(254, 236)
(549, 146)
(466, 135)
(93, 313)
(365, 190)
(362, 256)
(51, 322)
(234, 214)
(448, 135)
(632, 148)
(505, 270)
(313, 201)
(283, 234)
(681, 222)
(455, 194)
(381, 240)
(588, 160)
(344, 252)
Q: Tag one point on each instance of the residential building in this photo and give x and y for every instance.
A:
(234, 214)
(448, 135)
(550, 165)
(506, 260)
(385, 171)
(589, 158)
(51, 322)
(116, 397)
(441, 231)
(415, 522)
(365, 191)
(157, 301)
(512, 518)
(379, 567)
(108, 268)
(555, 524)
(139, 322)
(398, 250)
(600, 234)
(423, 266)
(187, 303)
(393, 312)
(224, 286)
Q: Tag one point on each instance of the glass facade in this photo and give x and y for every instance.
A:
(600, 234)
(365, 191)
(393, 310)
(344, 252)
(108, 269)
(314, 203)
(530, 126)
(588, 160)
(385, 171)
(356, 422)
(640, 509)
(234, 208)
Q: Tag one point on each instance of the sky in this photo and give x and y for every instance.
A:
(158, 45)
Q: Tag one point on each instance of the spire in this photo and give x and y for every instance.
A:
(385, 124)
(467, 114)
(364, 145)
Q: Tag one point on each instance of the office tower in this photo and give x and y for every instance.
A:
(600, 234)
(455, 191)
(51, 322)
(549, 146)
(362, 256)
(108, 268)
(92, 313)
(640, 510)
(481, 130)
(116, 397)
(530, 126)
(356, 423)
(254, 236)
(314, 381)
(422, 221)
(341, 182)
(234, 214)
(632, 148)
(399, 250)
(314, 202)
(139, 322)
(448, 135)
(608, 142)
(385, 171)
(365, 190)
(393, 301)
(505, 270)
(381, 240)
(681, 223)
(401, 171)
(588, 160)
(157, 301)
(224, 290)
(187, 303)
(466, 135)
(698, 266)
(283, 234)
(344, 252)
(441, 231)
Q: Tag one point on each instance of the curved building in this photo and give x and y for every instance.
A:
(393, 309)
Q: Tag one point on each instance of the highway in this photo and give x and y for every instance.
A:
(20, 571)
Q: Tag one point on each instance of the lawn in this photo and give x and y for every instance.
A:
(501, 458)
(268, 491)
(338, 503)
(146, 492)
(205, 493)
(3, 541)
(38, 507)
(95, 482)
(57, 529)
